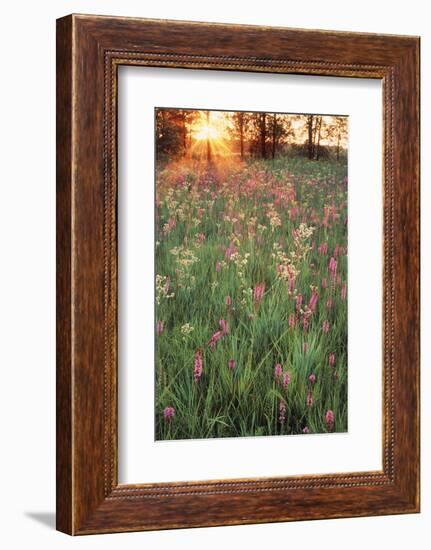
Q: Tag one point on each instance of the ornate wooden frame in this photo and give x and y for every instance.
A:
(89, 51)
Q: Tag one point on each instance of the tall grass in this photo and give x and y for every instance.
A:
(242, 243)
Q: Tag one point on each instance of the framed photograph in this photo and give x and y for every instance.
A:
(237, 274)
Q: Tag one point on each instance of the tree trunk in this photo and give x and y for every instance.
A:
(310, 136)
(319, 125)
(274, 135)
(263, 135)
(241, 134)
(160, 134)
(208, 139)
(184, 133)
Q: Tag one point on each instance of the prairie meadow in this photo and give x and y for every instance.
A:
(251, 274)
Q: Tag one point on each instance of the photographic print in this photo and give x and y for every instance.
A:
(250, 274)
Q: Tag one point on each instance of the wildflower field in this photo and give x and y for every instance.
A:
(251, 297)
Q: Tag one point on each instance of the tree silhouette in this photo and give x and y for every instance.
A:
(182, 133)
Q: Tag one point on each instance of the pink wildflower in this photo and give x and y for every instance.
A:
(325, 327)
(215, 338)
(334, 213)
(291, 284)
(292, 320)
(217, 266)
(224, 327)
(229, 251)
(282, 412)
(329, 303)
(332, 267)
(293, 212)
(305, 347)
(298, 302)
(197, 373)
(258, 292)
(278, 371)
(343, 292)
(286, 380)
(322, 250)
(329, 420)
(170, 225)
(228, 301)
(305, 430)
(305, 322)
(313, 301)
(231, 364)
(160, 327)
(169, 413)
(324, 284)
(309, 399)
(331, 359)
(312, 379)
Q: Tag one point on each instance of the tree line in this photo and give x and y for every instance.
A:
(250, 134)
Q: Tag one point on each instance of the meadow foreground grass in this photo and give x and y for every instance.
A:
(251, 298)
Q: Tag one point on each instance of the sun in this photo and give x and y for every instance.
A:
(209, 132)
(206, 131)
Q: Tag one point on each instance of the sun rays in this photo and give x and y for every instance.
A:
(207, 132)
(210, 135)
